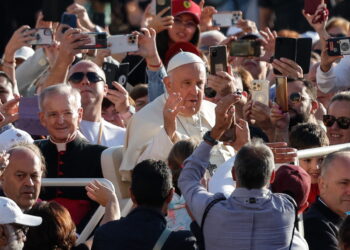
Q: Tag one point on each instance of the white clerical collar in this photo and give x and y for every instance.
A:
(62, 146)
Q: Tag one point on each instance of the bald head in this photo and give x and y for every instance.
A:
(83, 65)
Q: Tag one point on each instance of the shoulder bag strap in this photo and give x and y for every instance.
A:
(295, 219)
(162, 239)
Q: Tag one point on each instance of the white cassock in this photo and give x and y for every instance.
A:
(146, 137)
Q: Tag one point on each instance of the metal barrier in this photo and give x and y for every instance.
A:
(79, 182)
(314, 152)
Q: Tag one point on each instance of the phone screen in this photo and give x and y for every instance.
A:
(282, 93)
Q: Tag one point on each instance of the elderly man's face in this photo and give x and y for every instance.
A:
(336, 134)
(335, 185)
(91, 90)
(188, 80)
(61, 117)
(21, 180)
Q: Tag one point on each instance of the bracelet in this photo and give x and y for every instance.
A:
(155, 66)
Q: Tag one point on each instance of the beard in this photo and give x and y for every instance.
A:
(298, 118)
(14, 242)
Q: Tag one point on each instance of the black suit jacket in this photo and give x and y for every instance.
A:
(140, 230)
(321, 227)
(81, 160)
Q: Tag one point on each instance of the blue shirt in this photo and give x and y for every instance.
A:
(155, 83)
(248, 219)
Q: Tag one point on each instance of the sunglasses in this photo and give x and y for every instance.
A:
(296, 98)
(77, 77)
(343, 122)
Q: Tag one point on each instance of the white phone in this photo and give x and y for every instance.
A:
(43, 36)
(226, 19)
(123, 43)
(260, 91)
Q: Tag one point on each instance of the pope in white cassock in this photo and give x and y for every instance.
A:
(178, 114)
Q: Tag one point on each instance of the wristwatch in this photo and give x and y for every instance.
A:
(207, 137)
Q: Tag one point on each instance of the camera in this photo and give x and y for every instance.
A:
(243, 48)
(338, 46)
(98, 41)
(42, 37)
(123, 43)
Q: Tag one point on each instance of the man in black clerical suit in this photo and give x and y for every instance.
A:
(324, 217)
(67, 153)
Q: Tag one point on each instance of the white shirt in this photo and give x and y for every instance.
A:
(111, 135)
(337, 78)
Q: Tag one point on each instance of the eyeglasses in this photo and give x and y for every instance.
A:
(77, 77)
(188, 24)
(343, 122)
(17, 228)
(296, 98)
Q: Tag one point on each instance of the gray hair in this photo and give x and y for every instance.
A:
(328, 160)
(60, 89)
(254, 165)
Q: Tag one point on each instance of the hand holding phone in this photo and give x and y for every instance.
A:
(123, 43)
(70, 20)
(245, 48)
(260, 91)
(218, 59)
(42, 36)
(226, 18)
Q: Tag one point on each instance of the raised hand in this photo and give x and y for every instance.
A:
(171, 109)
(288, 68)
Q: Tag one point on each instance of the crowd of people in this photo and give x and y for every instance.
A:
(208, 165)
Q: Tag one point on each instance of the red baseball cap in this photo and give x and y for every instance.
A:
(295, 181)
(179, 7)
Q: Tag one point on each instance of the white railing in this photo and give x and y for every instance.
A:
(314, 152)
(79, 182)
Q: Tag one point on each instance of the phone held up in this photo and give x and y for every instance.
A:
(116, 73)
(338, 46)
(218, 59)
(98, 40)
(260, 91)
(227, 18)
(282, 93)
(43, 36)
(123, 43)
(245, 48)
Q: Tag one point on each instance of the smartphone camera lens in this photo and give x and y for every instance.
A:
(214, 53)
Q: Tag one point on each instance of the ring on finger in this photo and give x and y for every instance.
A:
(170, 110)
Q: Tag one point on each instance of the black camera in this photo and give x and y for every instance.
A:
(338, 46)
(98, 41)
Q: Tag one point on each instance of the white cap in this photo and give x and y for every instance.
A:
(11, 213)
(183, 58)
(24, 52)
(13, 136)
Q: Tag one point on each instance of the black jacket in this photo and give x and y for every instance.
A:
(140, 230)
(321, 227)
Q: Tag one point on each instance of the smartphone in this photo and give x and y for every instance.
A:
(98, 41)
(161, 5)
(226, 18)
(338, 46)
(53, 9)
(43, 36)
(303, 54)
(218, 59)
(70, 20)
(28, 116)
(123, 43)
(285, 47)
(310, 6)
(282, 93)
(99, 19)
(116, 73)
(245, 48)
(260, 91)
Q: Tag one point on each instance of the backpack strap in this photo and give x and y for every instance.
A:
(162, 239)
(295, 219)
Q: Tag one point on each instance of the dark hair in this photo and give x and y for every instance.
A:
(151, 182)
(254, 165)
(344, 234)
(3, 74)
(163, 39)
(140, 90)
(308, 135)
(178, 154)
(310, 89)
(57, 231)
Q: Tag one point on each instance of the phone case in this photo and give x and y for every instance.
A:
(303, 56)
(260, 91)
(244, 48)
(285, 47)
(43, 36)
(226, 19)
(161, 5)
(98, 41)
(338, 46)
(218, 59)
(69, 19)
(122, 74)
(110, 70)
(122, 43)
(282, 93)
(310, 6)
